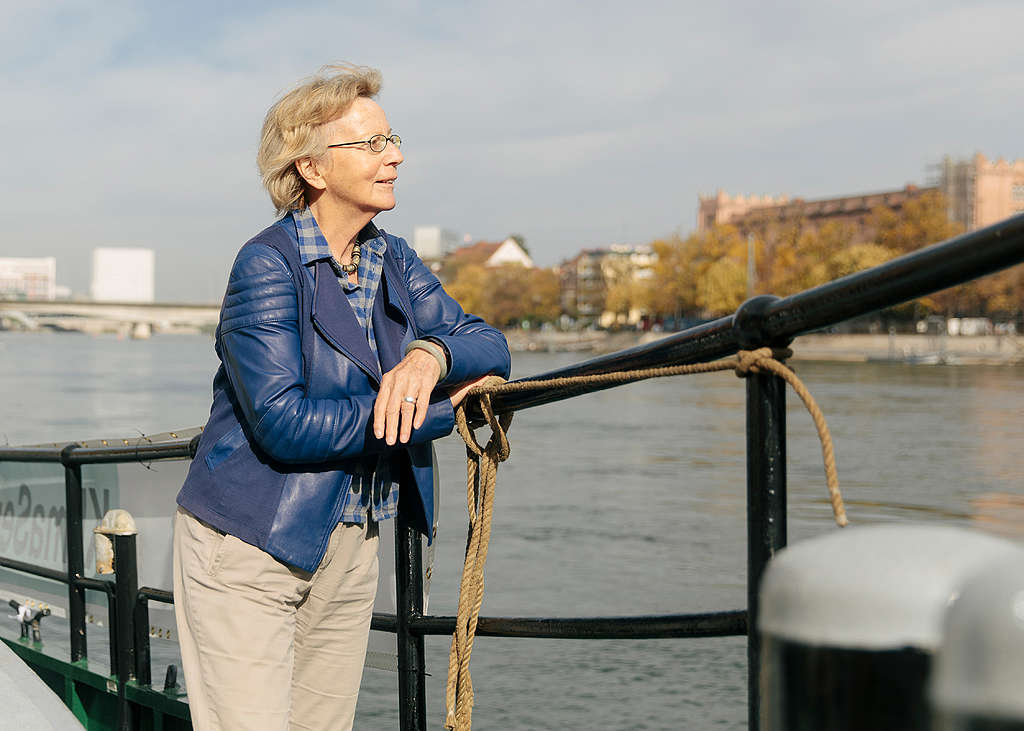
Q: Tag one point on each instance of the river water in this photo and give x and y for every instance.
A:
(628, 501)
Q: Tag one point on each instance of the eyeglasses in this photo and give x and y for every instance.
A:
(377, 143)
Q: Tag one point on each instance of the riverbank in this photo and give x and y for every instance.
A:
(919, 349)
(916, 349)
(923, 349)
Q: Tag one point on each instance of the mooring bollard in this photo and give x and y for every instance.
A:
(979, 667)
(850, 623)
(116, 552)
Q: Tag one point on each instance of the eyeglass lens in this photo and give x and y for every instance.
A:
(379, 142)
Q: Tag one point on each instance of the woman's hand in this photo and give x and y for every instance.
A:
(460, 391)
(404, 396)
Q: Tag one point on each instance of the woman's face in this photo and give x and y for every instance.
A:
(355, 178)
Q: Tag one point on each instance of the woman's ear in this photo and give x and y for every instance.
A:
(310, 172)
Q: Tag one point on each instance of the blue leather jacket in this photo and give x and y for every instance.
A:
(292, 415)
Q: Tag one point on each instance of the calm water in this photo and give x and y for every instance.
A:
(629, 501)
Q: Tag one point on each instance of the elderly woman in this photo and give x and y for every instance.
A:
(341, 359)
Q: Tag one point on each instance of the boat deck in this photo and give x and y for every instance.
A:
(56, 644)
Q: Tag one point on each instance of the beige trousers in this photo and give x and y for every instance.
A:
(265, 645)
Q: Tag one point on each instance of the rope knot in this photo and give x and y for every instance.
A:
(753, 361)
(497, 445)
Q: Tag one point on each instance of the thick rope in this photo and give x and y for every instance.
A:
(482, 470)
(481, 474)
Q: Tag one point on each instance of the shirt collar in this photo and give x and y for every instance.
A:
(313, 246)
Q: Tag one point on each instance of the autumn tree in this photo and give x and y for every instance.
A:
(625, 296)
(723, 286)
(469, 287)
(782, 248)
(508, 294)
(672, 290)
(542, 298)
(817, 256)
(858, 257)
(704, 273)
(721, 270)
(920, 222)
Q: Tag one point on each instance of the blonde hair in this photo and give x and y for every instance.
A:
(293, 128)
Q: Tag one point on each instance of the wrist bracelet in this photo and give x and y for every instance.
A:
(434, 350)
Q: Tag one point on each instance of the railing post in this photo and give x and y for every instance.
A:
(766, 480)
(140, 621)
(126, 582)
(412, 691)
(112, 628)
(76, 554)
(766, 506)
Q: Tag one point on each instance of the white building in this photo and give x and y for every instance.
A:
(27, 278)
(433, 242)
(123, 275)
(509, 252)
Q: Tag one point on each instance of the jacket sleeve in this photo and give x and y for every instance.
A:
(476, 348)
(261, 349)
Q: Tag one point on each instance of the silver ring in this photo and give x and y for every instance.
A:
(409, 399)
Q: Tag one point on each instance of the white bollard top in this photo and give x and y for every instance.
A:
(871, 587)
(979, 667)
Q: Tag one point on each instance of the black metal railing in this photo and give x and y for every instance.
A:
(761, 321)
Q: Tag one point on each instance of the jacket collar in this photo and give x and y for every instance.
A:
(313, 245)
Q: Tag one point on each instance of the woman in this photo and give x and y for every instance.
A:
(341, 359)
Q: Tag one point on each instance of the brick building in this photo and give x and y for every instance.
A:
(757, 214)
(979, 191)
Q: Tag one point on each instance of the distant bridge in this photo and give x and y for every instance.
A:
(130, 318)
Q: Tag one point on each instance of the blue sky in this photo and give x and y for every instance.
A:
(574, 124)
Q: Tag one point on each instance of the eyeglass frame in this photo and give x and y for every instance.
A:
(394, 139)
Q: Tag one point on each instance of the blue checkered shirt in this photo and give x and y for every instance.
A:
(373, 489)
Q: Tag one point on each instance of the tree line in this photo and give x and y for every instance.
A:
(506, 295)
(705, 274)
